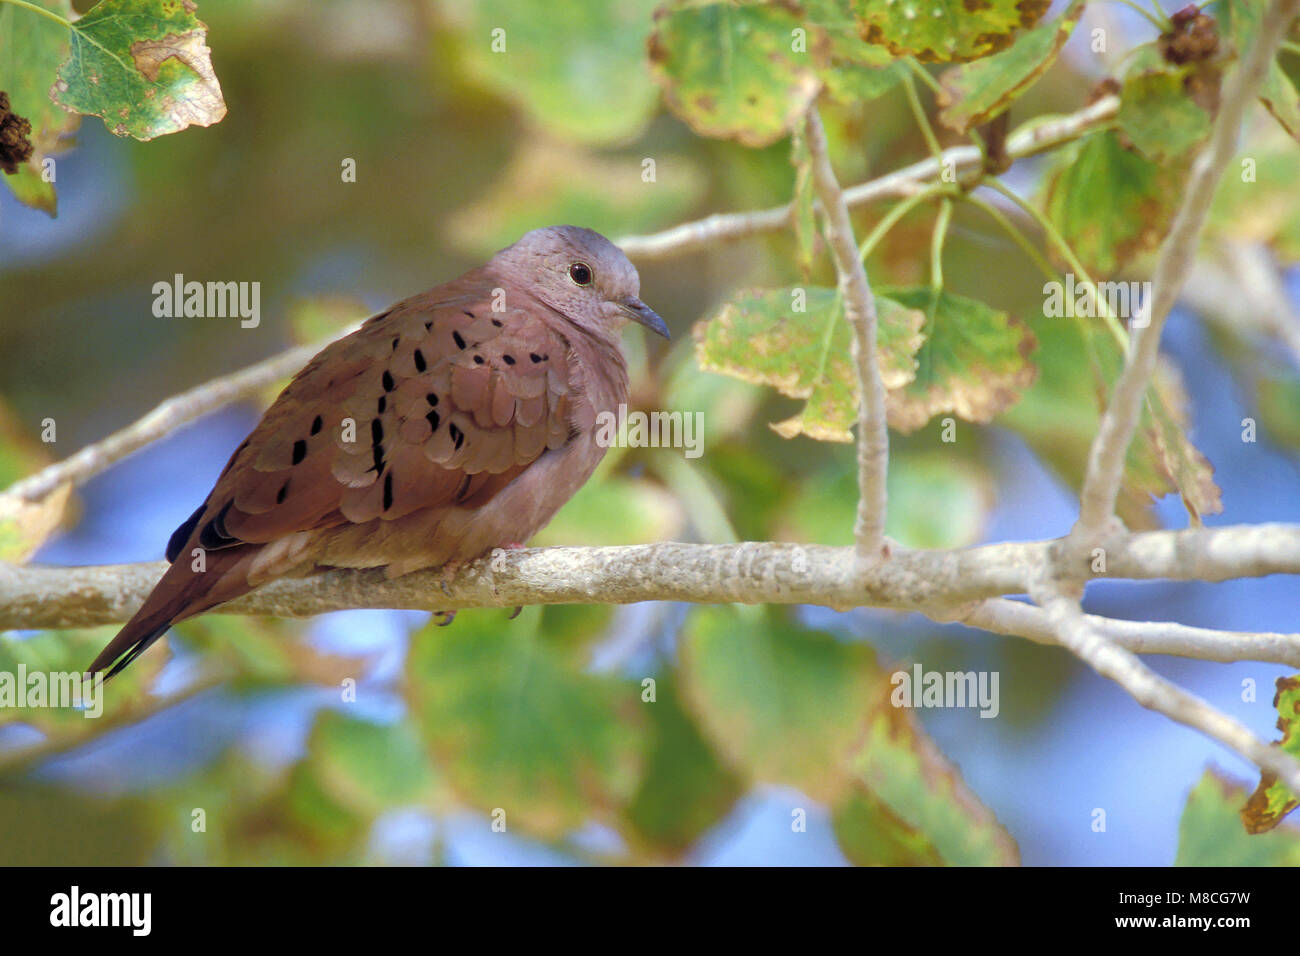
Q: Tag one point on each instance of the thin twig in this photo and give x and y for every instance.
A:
(1031, 138)
(1106, 458)
(1155, 692)
(860, 311)
(165, 418)
(1005, 616)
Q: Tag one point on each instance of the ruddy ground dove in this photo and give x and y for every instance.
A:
(455, 422)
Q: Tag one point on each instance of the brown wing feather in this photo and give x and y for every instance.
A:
(422, 407)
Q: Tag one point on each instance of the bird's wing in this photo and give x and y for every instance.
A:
(437, 401)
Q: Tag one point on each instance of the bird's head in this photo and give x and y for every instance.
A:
(582, 275)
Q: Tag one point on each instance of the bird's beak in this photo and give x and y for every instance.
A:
(638, 311)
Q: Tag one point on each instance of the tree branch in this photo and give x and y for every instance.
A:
(1115, 432)
(860, 311)
(1004, 616)
(165, 418)
(937, 583)
(1155, 692)
(1031, 138)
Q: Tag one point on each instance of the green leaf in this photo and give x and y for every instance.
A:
(731, 70)
(1272, 800)
(760, 337)
(367, 767)
(852, 70)
(686, 789)
(1257, 200)
(901, 766)
(613, 509)
(941, 31)
(69, 653)
(974, 93)
(1157, 113)
(781, 704)
(796, 707)
(25, 525)
(1277, 93)
(1210, 832)
(1058, 417)
(938, 500)
(572, 66)
(870, 834)
(1278, 401)
(974, 361)
(31, 49)
(143, 66)
(513, 725)
(1109, 203)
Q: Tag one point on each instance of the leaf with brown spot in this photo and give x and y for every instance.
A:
(729, 70)
(1110, 203)
(973, 93)
(974, 361)
(1272, 800)
(759, 337)
(944, 31)
(143, 66)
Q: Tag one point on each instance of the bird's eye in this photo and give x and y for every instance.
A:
(580, 273)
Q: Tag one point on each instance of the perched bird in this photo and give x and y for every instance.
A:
(455, 422)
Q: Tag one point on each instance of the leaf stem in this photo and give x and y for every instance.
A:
(897, 212)
(1016, 233)
(937, 240)
(1161, 23)
(1068, 254)
(923, 74)
(923, 121)
(36, 8)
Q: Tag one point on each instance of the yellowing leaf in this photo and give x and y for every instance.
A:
(902, 767)
(1158, 112)
(732, 70)
(1272, 800)
(760, 337)
(941, 31)
(31, 49)
(1109, 203)
(974, 361)
(143, 66)
(24, 524)
(973, 93)
(1210, 832)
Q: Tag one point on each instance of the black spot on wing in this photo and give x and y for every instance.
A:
(182, 534)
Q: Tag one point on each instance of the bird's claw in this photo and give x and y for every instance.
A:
(515, 613)
(447, 617)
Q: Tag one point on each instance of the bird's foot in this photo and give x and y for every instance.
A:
(446, 575)
(516, 612)
(446, 616)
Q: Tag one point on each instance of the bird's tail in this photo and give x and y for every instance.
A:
(182, 592)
